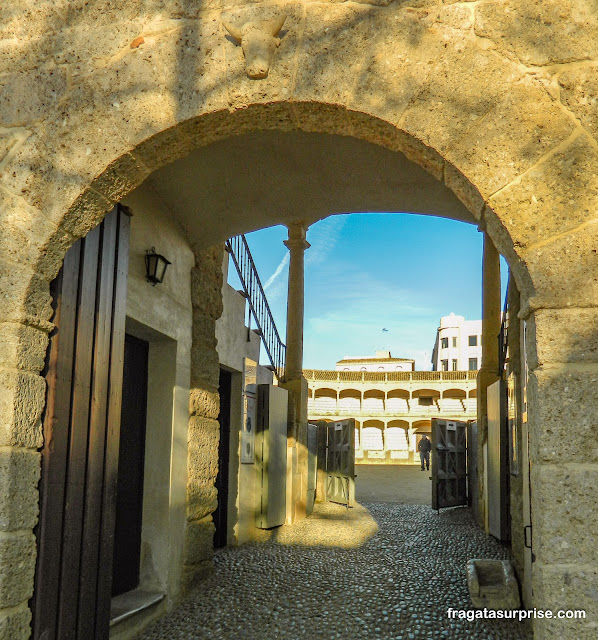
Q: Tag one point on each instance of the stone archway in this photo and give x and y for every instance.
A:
(95, 100)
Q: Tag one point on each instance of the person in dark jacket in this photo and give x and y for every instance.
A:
(424, 447)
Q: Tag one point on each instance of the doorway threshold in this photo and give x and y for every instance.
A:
(132, 602)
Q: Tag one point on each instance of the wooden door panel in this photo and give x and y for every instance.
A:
(79, 431)
(53, 478)
(80, 424)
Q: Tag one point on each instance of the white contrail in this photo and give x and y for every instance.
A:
(279, 269)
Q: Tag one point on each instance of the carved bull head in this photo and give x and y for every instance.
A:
(259, 39)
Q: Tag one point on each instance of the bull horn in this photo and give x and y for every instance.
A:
(235, 32)
(274, 26)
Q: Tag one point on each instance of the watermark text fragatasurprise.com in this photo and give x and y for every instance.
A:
(514, 614)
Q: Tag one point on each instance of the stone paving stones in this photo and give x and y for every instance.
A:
(397, 585)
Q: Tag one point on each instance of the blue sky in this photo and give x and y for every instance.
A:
(368, 272)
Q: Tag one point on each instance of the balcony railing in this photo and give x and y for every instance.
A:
(258, 304)
(388, 376)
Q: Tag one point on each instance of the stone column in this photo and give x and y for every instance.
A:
(296, 244)
(204, 407)
(294, 382)
(488, 373)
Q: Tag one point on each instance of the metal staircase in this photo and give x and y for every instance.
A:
(258, 304)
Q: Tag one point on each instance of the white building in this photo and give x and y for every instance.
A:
(383, 361)
(458, 345)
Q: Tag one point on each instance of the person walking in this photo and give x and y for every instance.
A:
(424, 447)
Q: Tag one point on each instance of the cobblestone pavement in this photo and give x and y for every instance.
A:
(397, 584)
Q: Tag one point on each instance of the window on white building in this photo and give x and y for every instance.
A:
(454, 342)
(473, 364)
(473, 341)
(444, 365)
(454, 365)
(444, 343)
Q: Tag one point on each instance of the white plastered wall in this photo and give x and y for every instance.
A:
(235, 344)
(162, 315)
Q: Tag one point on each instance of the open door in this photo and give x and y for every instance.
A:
(449, 463)
(340, 462)
(271, 454)
(81, 427)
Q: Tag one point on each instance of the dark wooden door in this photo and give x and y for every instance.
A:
(81, 429)
(340, 462)
(129, 500)
(449, 463)
(220, 515)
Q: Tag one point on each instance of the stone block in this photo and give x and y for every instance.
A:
(562, 428)
(22, 400)
(26, 97)
(29, 238)
(464, 189)
(24, 54)
(503, 242)
(377, 131)
(564, 512)
(564, 271)
(204, 403)
(320, 117)
(541, 32)
(22, 347)
(85, 48)
(327, 67)
(202, 467)
(555, 196)
(562, 335)
(191, 59)
(203, 331)
(579, 93)
(396, 51)
(199, 541)
(17, 567)
(26, 296)
(566, 587)
(15, 624)
(492, 584)
(121, 177)
(512, 137)
(205, 367)
(463, 86)
(206, 293)
(19, 477)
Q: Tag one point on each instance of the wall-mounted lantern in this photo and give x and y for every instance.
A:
(155, 266)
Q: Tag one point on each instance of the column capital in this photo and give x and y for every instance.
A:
(297, 236)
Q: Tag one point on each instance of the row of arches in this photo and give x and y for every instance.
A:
(400, 401)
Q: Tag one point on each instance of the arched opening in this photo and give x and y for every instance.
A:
(453, 402)
(373, 401)
(397, 401)
(211, 219)
(325, 401)
(349, 401)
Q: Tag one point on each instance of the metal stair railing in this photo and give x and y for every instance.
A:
(258, 304)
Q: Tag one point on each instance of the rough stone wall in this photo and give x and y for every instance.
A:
(563, 363)
(496, 98)
(204, 406)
